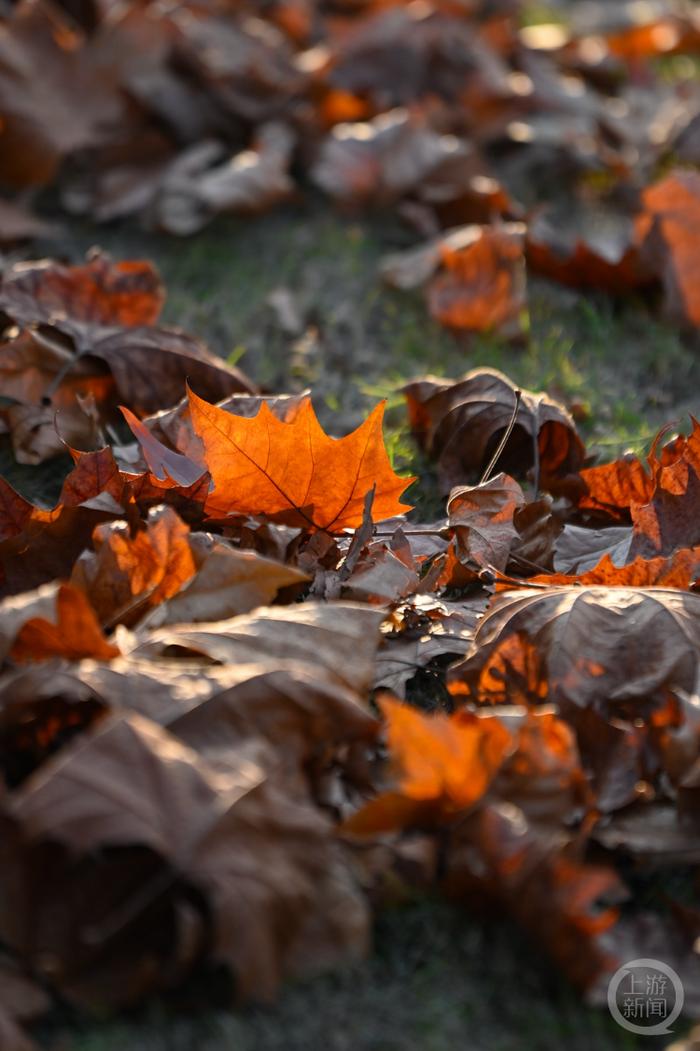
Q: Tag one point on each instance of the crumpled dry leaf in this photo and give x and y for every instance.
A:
(425, 630)
(126, 574)
(473, 276)
(459, 423)
(586, 247)
(480, 285)
(497, 856)
(91, 335)
(679, 571)
(616, 649)
(245, 837)
(98, 292)
(189, 576)
(668, 520)
(204, 182)
(444, 765)
(37, 546)
(56, 620)
(382, 159)
(661, 501)
(481, 517)
(514, 782)
(68, 107)
(668, 230)
(257, 467)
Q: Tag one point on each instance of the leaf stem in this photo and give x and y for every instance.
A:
(502, 444)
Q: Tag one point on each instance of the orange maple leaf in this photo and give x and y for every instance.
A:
(294, 471)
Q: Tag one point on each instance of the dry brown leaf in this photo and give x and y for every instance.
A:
(381, 160)
(152, 366)
(480, 285)
(459, 423)
(337, 639)
(69, 107)
(667, 230)
(228, 582)
(481, 518)
(616, 649)
(204, 181)
(37, 546)
(127, 575)
(579, 548)
(98, 292)
(425, 630)
(245, 837)
(70, 630)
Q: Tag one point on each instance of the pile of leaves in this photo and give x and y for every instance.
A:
(214, 645)
(570, 148)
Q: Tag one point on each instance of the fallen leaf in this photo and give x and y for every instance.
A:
(66, 109)
(231, 830)
(590, 246)
(128, 574)
(459, 423)
(98, 292)
(578, 549)
(71, 630)
(481, 518)
(480, 286)
(36, 545)
(425, 630)
(667, 230)
(294, 471)
(616, 649)
(227, 583)
(204, 182)
(444, 764)
(382, 159)
(679, 571)
(163, 463)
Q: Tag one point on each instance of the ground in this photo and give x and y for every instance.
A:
(438, 979)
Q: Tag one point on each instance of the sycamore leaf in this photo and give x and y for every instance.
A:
(294, 471)
(481, 517)
(615, 649)
(99, 292)
(679, 571)
(61, 623)
(135, 571)
(459, 423)
(668, 231)
(443, 764)
(164, 463)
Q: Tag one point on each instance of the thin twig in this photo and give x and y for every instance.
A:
(502, 444)
(503, 578)
(536, 449)
(531, 565)
(444, 532)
